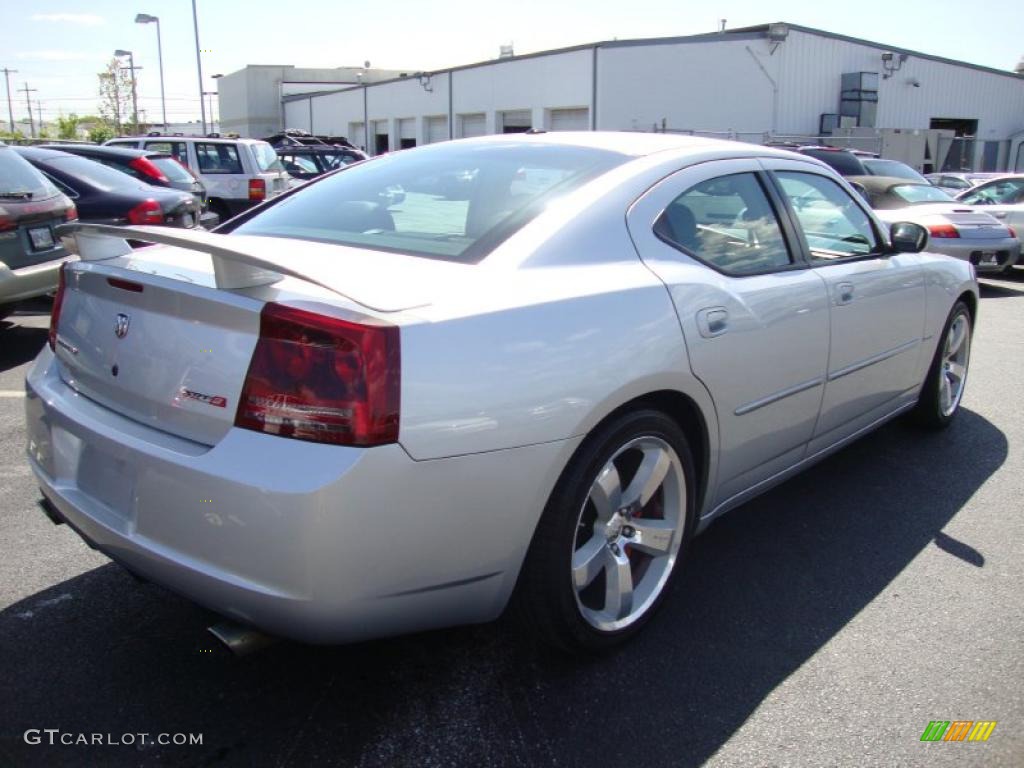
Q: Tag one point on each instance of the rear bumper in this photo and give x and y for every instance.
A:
(28, 282)
(1007, 251)
(318, 543)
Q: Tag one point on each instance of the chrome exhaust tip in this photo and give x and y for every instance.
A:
(240, 640)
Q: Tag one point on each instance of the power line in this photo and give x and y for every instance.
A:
(31, 125)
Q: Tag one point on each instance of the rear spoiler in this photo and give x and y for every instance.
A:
(232, 268)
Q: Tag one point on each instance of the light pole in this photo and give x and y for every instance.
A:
(145, 18)
(135, 98)
(10, 110)
(216, 93)
(199, 66)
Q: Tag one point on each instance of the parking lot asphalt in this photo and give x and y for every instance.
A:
(823, 624)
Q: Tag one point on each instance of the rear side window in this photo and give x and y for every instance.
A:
(834, 226)
(218, 158)
(95, 174)
(449, 201)
(20, 181)
(729, 224)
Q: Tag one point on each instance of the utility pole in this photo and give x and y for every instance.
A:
(10, 109)
(199, 67)
(39, 112)
(28, 103)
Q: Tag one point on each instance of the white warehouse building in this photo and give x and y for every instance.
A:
(774, 81)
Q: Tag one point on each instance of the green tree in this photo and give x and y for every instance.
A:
(67, 127)
(116, 96)
(100, 133)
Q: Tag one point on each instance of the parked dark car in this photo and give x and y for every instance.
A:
(156, 168)
(104, 195)
(30, 251)
(842, 160)
(309, 161)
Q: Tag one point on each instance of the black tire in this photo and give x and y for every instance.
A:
(545, 600)
(221, 209)
(929, 411)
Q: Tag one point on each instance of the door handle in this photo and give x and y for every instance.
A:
(713, 321)
(844, 293)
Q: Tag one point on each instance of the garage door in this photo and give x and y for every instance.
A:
(570, 120)
(473, 125)
(296, 114)
(407, 133)
(516, 121)
(437, 129)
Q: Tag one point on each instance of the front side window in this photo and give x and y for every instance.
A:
(834, 226)
(996, 193)
(218, 158)
(455, 202)
(729, 224)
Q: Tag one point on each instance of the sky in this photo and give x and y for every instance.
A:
(58, 46)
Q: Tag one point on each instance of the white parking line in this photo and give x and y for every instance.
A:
(12, 393)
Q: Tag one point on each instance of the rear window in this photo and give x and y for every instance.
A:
(455, 202)
(266, 157)
(920, 193)
(844, 162)
(893, 168)
(172, 169)
(20, 181)
(95, 174)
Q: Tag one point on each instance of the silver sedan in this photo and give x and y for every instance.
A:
(531, 378)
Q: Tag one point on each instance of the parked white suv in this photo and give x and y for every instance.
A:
(237, 173)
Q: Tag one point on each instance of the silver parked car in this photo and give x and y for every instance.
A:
(354, 414)
(954, 228)
(1002, 197)
(956, 182)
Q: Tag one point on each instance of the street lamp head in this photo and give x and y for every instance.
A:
(216, 77)
(145, 18)
(119, 52)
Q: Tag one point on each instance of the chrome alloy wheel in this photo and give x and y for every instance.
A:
(628, 533)
(955, 356)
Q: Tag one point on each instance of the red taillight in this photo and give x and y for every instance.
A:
(6, 220)
(71, 214)
(319, 378)
(257, 189)
(943, 230)
(58, 301)
(148, 212)
(1013, 232)
(148, 169)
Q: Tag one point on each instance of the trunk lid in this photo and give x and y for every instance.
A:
(971, 223)
(164, 335)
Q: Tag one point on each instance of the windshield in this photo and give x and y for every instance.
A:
(172, 169)
(894, 168)
(102, 177)
(920, 193)
(19, 180)
(266, 157)
(1004, 192)
(449, 201)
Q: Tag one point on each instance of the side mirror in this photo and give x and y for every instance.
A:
(907, 237)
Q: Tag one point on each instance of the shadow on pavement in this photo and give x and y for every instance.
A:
(762, 591)
(19, 344)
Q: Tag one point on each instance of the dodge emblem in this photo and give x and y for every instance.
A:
(121, 326)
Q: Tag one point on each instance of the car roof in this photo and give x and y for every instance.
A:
(102, 151)
(633, 144)
(39, 153)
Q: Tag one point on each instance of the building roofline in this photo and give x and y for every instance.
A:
(755, 32)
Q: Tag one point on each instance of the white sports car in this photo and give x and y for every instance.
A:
(532, 376)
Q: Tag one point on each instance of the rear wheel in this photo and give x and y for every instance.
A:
(944, 387)
(611, 535)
